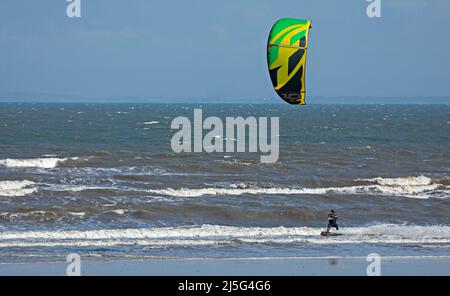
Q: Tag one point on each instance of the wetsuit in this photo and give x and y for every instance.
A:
(332, 218)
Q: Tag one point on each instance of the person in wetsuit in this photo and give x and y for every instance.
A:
(332, 218)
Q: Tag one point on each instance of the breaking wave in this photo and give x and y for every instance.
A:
(421, 188)
(215, 234)
(411, 187)
(403, 181)
(46, 163)
(17, 188)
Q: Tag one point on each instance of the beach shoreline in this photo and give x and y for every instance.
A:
(296, 266)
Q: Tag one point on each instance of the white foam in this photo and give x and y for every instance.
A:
(34, 214)
(417, 192)
(46, 163)
(204, 231)
(17, 188)
(420, 192)
(402, 181)
(216, 234)
(415, 187)
(119, 211)
(78, 214)
(424, 189)
(79, 188)
(151, 122)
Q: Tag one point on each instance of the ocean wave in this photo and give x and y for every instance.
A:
(79, 188)
(119, 211)
(40, 216)
(17, 188)
(126, 172)
(45, 163)
(402, 181)
(411, 186)
(216, 235)
(419, 192)
(77, 214)
(432, 190)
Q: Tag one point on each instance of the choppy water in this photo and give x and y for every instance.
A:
(102, 180)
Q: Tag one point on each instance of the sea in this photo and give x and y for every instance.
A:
(102, 181)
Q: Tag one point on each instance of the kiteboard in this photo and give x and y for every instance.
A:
(324, 233)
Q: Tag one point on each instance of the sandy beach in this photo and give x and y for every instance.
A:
(412, 266)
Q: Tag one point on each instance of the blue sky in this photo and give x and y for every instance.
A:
(216, 49)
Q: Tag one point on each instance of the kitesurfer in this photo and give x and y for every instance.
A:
(332, 218)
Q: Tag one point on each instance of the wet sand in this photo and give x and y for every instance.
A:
(239, 267)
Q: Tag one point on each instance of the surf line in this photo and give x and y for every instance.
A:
(189, 137)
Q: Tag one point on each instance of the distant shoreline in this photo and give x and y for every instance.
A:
(169, 102)
(31, 97)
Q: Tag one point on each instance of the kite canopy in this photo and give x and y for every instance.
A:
(286, 57)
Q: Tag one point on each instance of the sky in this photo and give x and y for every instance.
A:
(217, 49)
